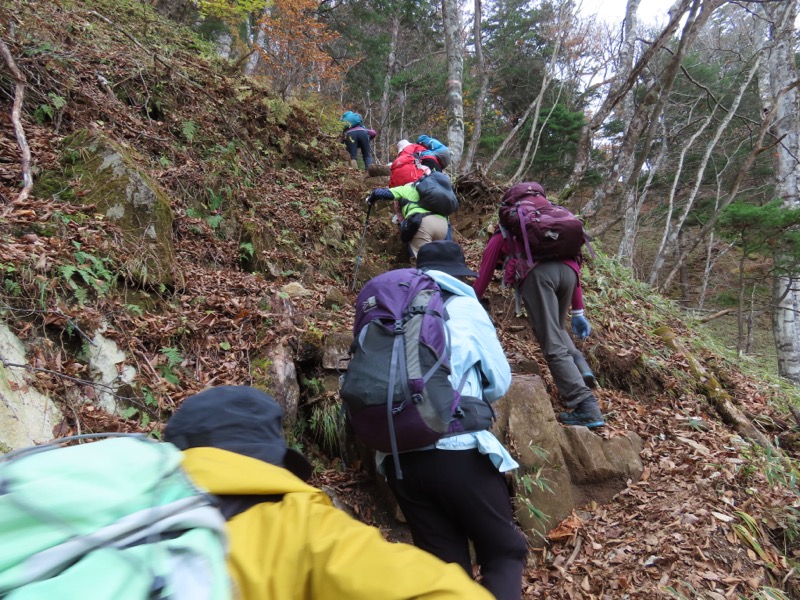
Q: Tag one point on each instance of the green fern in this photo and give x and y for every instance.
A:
(173, 356)
(189, 130)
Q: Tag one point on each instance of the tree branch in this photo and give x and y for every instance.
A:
(19, 94)
(137, 400)
(57, 313)
(716, 315)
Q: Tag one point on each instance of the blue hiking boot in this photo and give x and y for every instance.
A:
(586, 414)
(582, 419)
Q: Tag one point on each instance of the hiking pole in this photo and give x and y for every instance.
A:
(361, 248)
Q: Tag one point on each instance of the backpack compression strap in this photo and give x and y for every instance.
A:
(398, 356)
(236, 504)
(525, 235)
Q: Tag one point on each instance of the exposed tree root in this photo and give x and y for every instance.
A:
(713, 390)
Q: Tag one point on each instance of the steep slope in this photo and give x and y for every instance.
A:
(261, 200)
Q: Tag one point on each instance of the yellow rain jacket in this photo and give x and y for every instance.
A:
(303, 548)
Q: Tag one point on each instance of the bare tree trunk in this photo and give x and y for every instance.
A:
(751, 320)
(626, 77)
(535, 131)
(783, 78)
(661, 255)
(16, 119)
(403, 97)
(711, 261)
(391, 65)
(548, 77)
(258, 42)
(758, 148)
(740, 343)
(673, 231)
(709, 264)
(709, 257)
(684, 275)
(633, 206)
(529, 156)
(451, 16)
(625, 114)
(511, 135)
(634, 150)
(480, 101)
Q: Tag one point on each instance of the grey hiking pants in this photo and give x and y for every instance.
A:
(547, 293)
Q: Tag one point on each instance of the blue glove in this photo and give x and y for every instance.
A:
(380, 194)
(580, 325)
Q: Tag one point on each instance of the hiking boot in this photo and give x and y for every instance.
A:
(589, 379)
(586, 414)
(578, 418)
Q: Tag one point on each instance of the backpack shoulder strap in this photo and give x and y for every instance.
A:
(466, 372)
(232, 505)
(447, 297)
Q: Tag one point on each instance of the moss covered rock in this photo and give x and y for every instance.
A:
(109, 176)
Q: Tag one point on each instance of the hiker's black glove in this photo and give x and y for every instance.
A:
(580, 325)
(380, 194)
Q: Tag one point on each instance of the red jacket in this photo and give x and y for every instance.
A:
(406, 168)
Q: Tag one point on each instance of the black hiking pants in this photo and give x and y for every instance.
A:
(355, 140)
(450, 497)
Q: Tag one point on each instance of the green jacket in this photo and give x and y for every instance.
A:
(408, 196)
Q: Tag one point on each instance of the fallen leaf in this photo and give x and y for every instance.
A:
(722, 517)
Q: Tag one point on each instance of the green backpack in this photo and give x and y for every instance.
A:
(116, 519)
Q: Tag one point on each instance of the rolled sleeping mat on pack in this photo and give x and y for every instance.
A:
(379, 170)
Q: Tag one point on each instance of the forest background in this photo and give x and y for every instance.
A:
(676, 138)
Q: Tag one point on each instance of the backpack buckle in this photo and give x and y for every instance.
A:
(417, 398)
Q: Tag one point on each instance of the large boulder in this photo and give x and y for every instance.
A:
(527, 423)
(561, 468)
(108, 367)
(600, 467)
(275, 370)
(27, 417)
(336, 351)
(111, 179)
(281, 382)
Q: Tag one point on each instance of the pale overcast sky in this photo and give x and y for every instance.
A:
(613, 11)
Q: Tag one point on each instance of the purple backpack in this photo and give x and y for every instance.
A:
(396, 392)
(545, 230)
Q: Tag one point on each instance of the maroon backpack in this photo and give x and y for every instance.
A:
(546, 231)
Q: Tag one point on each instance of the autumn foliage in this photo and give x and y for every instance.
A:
(294, 47)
